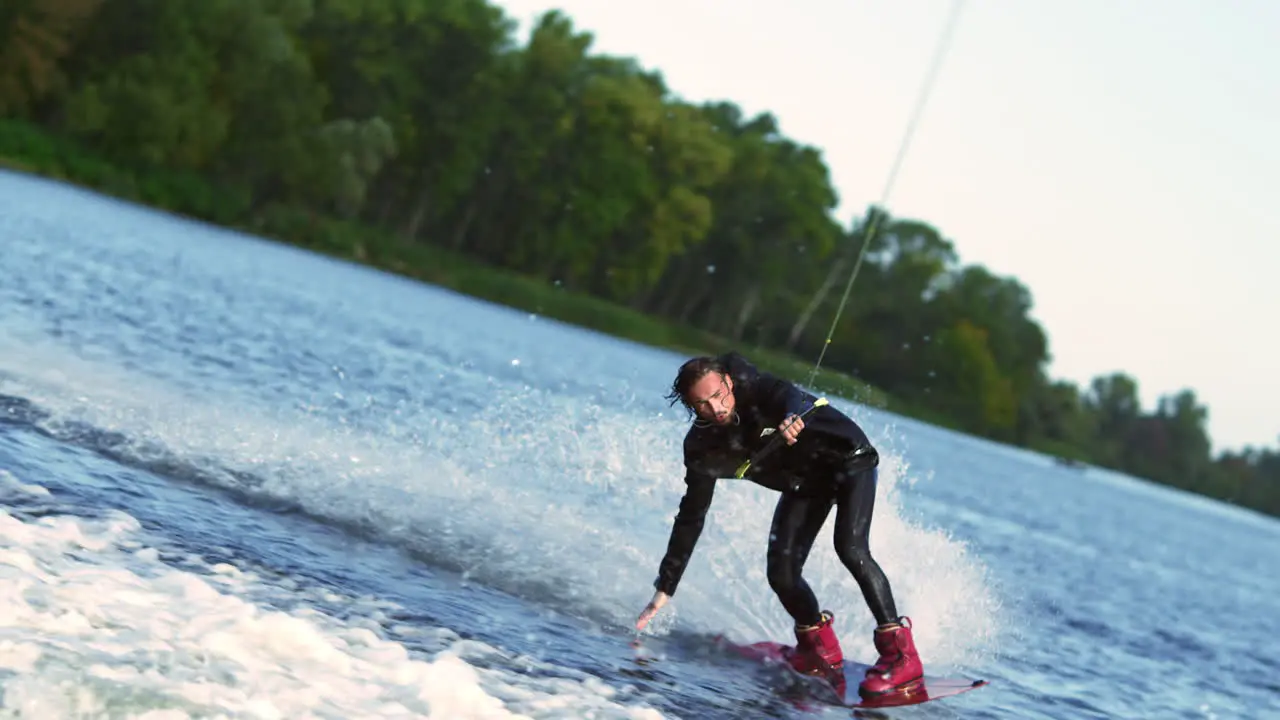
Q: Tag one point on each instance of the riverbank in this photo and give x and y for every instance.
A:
(29, 149)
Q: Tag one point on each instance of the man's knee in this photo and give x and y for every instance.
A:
(855, 555)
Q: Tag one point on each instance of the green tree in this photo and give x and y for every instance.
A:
(35, 37)
(1113, 400)
(1187, 460)
(771, 228)
(974, 390)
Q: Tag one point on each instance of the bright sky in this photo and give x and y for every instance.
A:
(1095, 150)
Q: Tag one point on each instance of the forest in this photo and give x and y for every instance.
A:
(426, 137)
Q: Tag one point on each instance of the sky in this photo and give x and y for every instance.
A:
(1097, 151)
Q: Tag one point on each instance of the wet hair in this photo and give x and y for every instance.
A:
(690, 373)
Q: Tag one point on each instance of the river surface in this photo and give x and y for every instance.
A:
(240, 480)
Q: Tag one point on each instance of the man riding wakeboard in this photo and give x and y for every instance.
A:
(827, 461)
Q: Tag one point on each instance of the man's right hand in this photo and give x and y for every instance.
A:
(659, 599)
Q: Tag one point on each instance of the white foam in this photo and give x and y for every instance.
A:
(93, 625)
(538, 490)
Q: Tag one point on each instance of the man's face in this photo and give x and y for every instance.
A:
(712, 398)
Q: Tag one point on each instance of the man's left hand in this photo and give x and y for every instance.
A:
(790, 428)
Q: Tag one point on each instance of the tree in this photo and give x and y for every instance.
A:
(35, 37)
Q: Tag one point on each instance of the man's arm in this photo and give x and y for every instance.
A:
(787, 399)
(685, 530)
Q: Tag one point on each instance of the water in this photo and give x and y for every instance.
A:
(239, 480)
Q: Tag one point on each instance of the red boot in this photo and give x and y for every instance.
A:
(817, 650)
(898, 670)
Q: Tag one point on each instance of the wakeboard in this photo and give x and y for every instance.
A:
(844, 688)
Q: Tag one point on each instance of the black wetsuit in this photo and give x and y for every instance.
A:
(831, 463)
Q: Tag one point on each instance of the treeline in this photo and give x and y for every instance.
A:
(377, 127)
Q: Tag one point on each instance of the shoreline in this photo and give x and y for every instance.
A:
(29, 150)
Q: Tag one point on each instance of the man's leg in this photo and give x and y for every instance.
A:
(855, 503)
(898, 668)
(796, 521)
